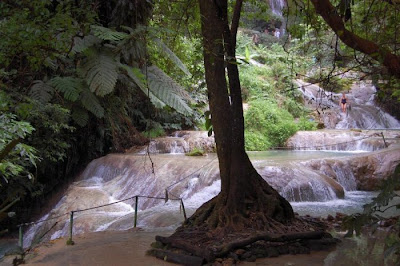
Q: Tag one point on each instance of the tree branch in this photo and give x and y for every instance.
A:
(7, 149)
(235, 21)
(370, 48)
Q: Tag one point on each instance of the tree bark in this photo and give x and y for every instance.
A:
(245, 200)
(383, 55)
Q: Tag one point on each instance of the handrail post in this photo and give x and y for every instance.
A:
(21, 237)
(136, 206)
(183, 208)
(166, 195)
(384, 141)
(71, 225)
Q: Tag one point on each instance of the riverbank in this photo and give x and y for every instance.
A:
(129, 248)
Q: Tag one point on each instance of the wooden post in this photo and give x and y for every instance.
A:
(71, 226)
(136, 206)
(21, 237)
(183, 208)
(384, 141)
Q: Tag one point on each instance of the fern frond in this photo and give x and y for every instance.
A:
(81, 44)
(169, 82)
(80, 116)
(91, 103)
(108, 34)
(100, 72)
(167, 90)
(51, 63)
(172, 56)
(139, 29)
(139, 79)
(71, 87)
(41, 91)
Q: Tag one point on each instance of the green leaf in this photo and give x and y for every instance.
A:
(91, 103)
(71, 87)
(80, 116)
(108, 34)
(82, 44)
(165, 49)
(140, 80)
(100, 72)
(168, 91)
(41, 91)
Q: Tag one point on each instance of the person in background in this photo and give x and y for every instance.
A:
(343, 102)
(256, 39)
(277, 33)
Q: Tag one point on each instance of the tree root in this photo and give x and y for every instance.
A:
(314, 240)
(222, 250)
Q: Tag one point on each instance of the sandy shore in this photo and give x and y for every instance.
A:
(128, 248)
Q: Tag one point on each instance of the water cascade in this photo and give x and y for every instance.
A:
(326, 168)
(277, 6)
(311, 176)
(362, 114)
(343, 140)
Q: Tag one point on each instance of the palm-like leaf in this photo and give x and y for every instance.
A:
(167, 90)
(139, 79)
(80, 116)
(91, 103)
(41, 91)
(171, 55)
(71, 87)
(82, 44)
(100, 72)
(108, 34)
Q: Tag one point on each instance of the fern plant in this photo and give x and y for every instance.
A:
(105, 57)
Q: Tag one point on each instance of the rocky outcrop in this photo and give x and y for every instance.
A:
(362, 171)
(343, 140)
(182, 142)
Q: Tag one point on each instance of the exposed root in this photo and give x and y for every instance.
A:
(301, 236)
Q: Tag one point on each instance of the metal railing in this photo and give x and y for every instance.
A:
(71, 215)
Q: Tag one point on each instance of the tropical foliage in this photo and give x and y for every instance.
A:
(74, 87)
(79, 79)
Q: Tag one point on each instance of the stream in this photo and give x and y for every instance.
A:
(328, 171)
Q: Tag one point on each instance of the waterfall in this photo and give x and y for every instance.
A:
(311, 177)
(181, 142)
(277, 6)
(343, 140)
(194, 179)
(361, 114)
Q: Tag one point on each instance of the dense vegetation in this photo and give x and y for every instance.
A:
(76, 83)
(79, 79)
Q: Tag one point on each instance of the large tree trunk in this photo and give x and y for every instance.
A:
(245, 200)
(247, 210)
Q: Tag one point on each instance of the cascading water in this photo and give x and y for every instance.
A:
(315, 176)
(277, 6)
(343, 140)
(362, 114)
(194, 179)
